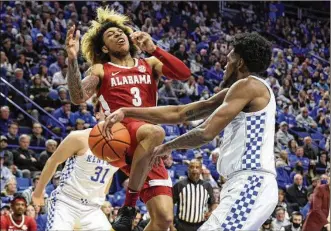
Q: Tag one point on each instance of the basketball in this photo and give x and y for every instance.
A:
(113, 149)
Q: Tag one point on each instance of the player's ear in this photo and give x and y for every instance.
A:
(241, 65)
(105, 49)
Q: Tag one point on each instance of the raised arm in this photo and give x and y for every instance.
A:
(73, 144)
(80, 90)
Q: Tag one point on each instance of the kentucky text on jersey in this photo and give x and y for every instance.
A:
(135, 79)
(94, 159)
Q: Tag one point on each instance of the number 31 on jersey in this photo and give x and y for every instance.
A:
(136, 101)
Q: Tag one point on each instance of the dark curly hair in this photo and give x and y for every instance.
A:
(254, 49)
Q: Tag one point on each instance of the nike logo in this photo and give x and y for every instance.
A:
(112, 74)
(230, 190)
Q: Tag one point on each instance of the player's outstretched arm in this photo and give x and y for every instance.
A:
(73, 144)
(239, 95)
(170, 114)
(80, 90)
(162, 62)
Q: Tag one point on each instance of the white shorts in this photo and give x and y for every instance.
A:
(247, 200)
(64, 213)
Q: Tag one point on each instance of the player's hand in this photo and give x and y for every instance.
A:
(159, 153)
(144, 41)
(115, 117)
(38, 199)
(72, 43)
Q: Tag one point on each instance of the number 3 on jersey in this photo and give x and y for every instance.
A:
(136, 101)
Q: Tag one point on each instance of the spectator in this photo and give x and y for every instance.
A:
(201, 86)
(24, 158)
(63, 96)
(34, 211)
(4, 119)
(168, 163)
(283, 136)
(5, 172)
(296, 194)
(27, 193)
(44, 101)
(282, 161)
(24, 66)
(322, 164)
(167, 94)
(215, 74)
(267, 226)
(51, 146)
(320, 206)
(310, 151)
(296, 222)
(217, 194)
(58, 65)
(60, 78)
(280, 220)
(186, 222)
(8, 155)
(65, 116)
(22, 86)
(10, 189)
(212, 166)
(282, 202)
(107, 210)
(304, 120)
(12, 137)
(84, 115)
(9, 50)
(37, 139)
(55, 182)
(5, 66)
(207, 177)
(136, 221)
(315, 182)
(80, 125)
(292, 147)
(304, 161)
(304, 211)
(190, 87)
(181, 53)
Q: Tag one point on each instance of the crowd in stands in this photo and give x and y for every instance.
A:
(33, 62)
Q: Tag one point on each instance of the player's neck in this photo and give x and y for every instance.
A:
(126, 61)
(17, 217)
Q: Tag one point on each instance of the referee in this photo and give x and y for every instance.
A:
(194, 199)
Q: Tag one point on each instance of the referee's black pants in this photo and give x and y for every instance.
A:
(186, 226)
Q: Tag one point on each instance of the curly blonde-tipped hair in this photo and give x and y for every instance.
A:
(92, 41)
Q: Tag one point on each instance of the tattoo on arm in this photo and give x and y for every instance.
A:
(196, 114)
(192, 139)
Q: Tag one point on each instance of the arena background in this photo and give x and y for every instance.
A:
(33, 84)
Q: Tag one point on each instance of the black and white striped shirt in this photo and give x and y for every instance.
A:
(192, 199)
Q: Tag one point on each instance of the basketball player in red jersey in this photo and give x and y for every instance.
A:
(17, 221)
(121, 80)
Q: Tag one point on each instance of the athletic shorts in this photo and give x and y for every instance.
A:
(64, 213)
(247, 200)
(158, 181)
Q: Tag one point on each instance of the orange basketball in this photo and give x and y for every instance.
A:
(113, 149)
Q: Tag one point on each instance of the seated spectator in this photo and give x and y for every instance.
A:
(80, 125)
(167, 94)
(282, 161)
(34, 211)
(299, 158)
(296, 222)
(168, 163)
(37, 139)
(27, 193)
(280, 220)
(201, 85)
(107, 210)
(292, 147)
(60, 78)
(4, 119)
(181, 53)
(267, 226)
(55, 183)
(212, 166)
(286, 116)
(22, 86)
(315, 182)
(65, 116)
(12, 137)
(190, 88)
(58, 65)
(51, 146)
(5, 172)
(304, 211)
(5, 66)
(9, 191)
(310, 151)
(8, 155)
(304, 120)
(217, 194)
(322, 164)
(179, 88)
(282, 202)
(296, 194)
(215, 74)
(63, 96)
(84, 115)
(24, 66)
(136, 221)
(36, 86)
(44, 101)
(24, 158)
(283, 136)
(207, 177)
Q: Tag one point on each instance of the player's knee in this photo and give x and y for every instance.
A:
(163, 221)
(156, 133)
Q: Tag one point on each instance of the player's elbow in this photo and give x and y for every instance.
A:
(208, 135)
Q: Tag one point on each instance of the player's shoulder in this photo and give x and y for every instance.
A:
(96, 69)
(249, 85)
(80, 136)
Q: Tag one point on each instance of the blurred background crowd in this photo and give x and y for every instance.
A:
(36, 112)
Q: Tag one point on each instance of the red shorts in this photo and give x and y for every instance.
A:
(158, 181)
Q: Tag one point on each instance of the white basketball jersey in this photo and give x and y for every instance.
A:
(248, 142)
(86, 178)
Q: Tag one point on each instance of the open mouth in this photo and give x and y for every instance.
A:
(121, 41)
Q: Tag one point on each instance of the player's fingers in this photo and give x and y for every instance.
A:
(77, 37)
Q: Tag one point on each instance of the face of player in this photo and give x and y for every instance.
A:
(231, 69)
(19, 207)
(116, 43)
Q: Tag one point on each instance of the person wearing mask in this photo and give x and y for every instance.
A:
(17, 220)
(318, 215)
(280, 220)
(182, 193)
(296, 222)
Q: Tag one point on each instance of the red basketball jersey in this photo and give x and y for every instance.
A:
(128, 86)
(26, 224)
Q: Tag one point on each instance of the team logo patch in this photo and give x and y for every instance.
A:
(142, 69)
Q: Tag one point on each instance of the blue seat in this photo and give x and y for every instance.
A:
(316, 136)
(25, 130)
(22, 183)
